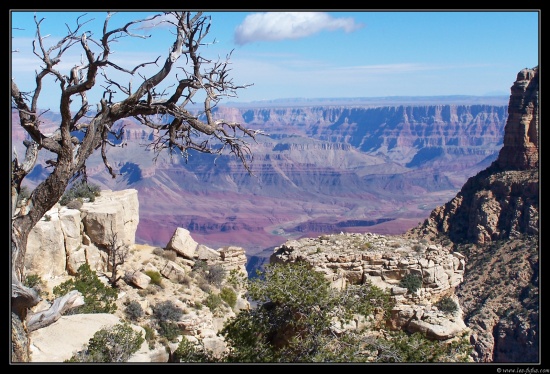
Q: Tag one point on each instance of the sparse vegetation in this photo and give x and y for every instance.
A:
(133, 310)
(213, 301)
(418, 247)
(215, 275)
(158, 251)
(82, 191)
(115, 344)
(412, 282)
(156, 277)
(189, 352)
(166, 314)
(35, 282)
(229, 296)
(150, 336)
(365, 246)
(98, 297)
(447, 305)
(170, 255)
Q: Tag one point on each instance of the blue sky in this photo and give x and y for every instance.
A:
(323, 54)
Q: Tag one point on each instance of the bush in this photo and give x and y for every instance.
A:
(366, 246)
(133, 310)
(74, 204)
(294, 318)
(170, 255)
(185, 280)
(447, 305)
(98, 297)
(215, 275)
(229, 296)
(399, 346)
(169, 330)
(150, 336)
(167, 311)
(158, 251)
(204, 285)
(35, 282)
(188, 352)
(200, 267)
(411, 282)
(116, 344)
(80, 190)
(156, 277)
(213, 301)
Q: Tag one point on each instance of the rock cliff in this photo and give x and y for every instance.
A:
(494, 221)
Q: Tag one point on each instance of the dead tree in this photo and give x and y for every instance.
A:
(178, 129)
(117, 254)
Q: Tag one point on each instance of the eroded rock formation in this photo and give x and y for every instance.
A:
(384, 261)
(494, 221)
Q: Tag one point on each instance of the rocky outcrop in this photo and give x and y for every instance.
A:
(502, 201)
(66, 238)
(384, 261)
(521, 134)
(494, 221)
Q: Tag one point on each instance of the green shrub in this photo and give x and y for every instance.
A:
(116, 344)
(399, 346)
(200, 267)
(80, 190)
(366, 245)
(213, 301)
(35, 282)
(236, 279)
(169, 330)
(150, 336)
(229, 296)
(447, 305)
(156, 277)
(188, 352)
(294, 318)
(98, 297)
(412, 282)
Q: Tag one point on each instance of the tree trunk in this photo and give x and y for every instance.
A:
(45, 318)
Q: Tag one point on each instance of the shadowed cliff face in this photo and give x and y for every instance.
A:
(494, 220)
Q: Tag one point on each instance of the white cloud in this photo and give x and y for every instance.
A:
(272, 26)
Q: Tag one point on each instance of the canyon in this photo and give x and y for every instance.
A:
(370, 165)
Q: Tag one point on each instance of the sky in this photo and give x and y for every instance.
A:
(305, 54)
